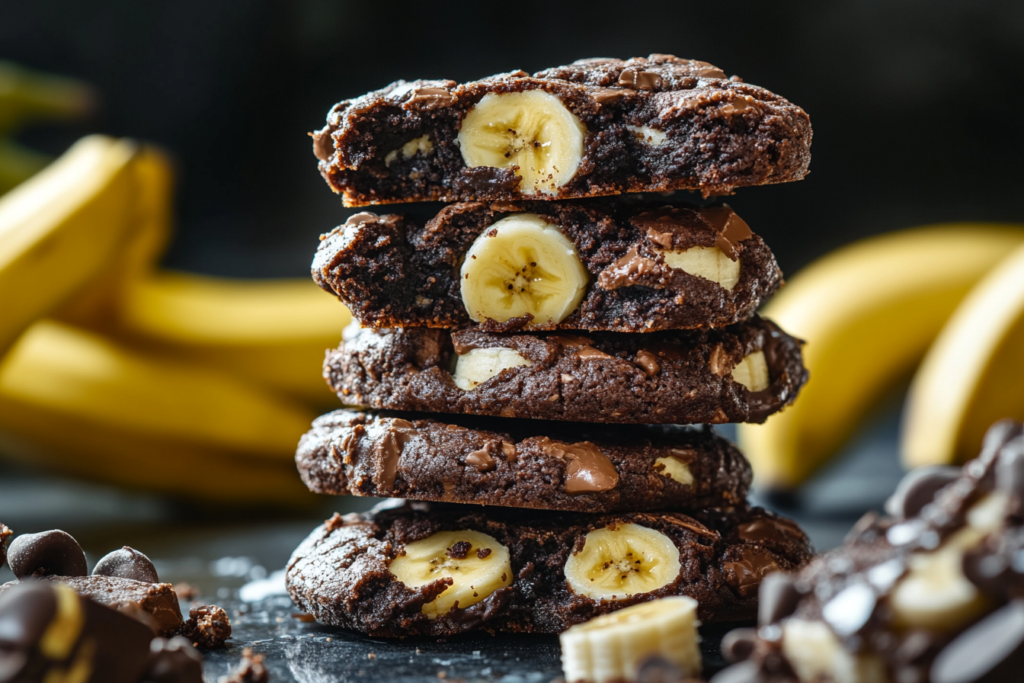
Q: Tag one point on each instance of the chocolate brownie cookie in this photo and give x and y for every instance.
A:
(595, 265)
(434, 569)
(931, 593)
(521, 463)
(742, 373)
(595, 127)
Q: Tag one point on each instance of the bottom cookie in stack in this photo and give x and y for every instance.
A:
(413, 568)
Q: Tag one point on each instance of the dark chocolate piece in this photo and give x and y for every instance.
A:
(523, 463)
(340, 574)
(4, 533)
(127, 563)
(651, 124)
(394, 271)
(596, 378)
(918, 488)
(778, 598)
(207, 627)
(174, 661)
(992, 650)
(48, 553)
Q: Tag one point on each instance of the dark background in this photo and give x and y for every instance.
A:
(917, 105)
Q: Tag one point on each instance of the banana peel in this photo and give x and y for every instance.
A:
(869, 312)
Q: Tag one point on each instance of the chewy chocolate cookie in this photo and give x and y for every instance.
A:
(620, 267)
(932, 593)
(595, 127)
(521, 463)
(742, 373)
(434, 569)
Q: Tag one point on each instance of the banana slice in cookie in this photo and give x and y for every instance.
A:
(479, 365)
(752, 372)
(618, 562)
(612, 647)
(530, 130)
(710, 263)
(522, 265)
(477, 563)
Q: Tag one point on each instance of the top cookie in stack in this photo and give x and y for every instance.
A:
(534, 296)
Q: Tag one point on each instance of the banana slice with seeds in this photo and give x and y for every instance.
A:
(616, 563)
(522, 265)
(752, 372)
(613, 646)
(479, 365)
(530, 130)
(477, 563)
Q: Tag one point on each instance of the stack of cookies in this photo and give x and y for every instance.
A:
(534, 345)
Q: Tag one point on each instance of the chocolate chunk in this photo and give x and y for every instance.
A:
(174, 661)
(4, 533)
(731, 229)
(431, 98)
(632, 269)
(207, 627)
(738, 645)
(48, 553)
(639, 80)
(777, 598)
(991, 651)
(588, 470)
(481, 460)
(918, 488)
(127, 563)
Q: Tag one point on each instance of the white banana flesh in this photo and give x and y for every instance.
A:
(617, 563)
(648, 136)
(477, 563)
(522, 265)
(752, 372)
(476, 366)
(709, 263)
(674, 469)
(816, 654)
(421, 145)
(613, 646)
(532, 131)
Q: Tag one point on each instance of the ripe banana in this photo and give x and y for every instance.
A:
(522, 265)
(30, 95)
(18, 164)
(815, 654)
(675, 469)
(710, 263)
(616, 563)
(869, 312)
(61, 228)
(477, 564)
(476, 366)
(752, 372)
(531, 131)
(971, 375)
(84, 405)
(612, 647)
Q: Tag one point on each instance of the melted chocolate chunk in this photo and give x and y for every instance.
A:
(589, 469)
(127, 563)
(48, 553)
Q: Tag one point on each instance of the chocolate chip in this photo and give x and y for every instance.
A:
(747, 672)
(992, 650)
(459, 550)
(656, 669)
(4, 533)
(174, 661)
(48, 553)
(739, 644)
(918, 488)
(777, 598)
(127, 563)
(483, 552)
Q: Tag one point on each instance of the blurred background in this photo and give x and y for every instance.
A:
(916, 111)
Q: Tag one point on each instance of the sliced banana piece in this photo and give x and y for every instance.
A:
(648, 135)
(530, 130)
(816, 654)
(420, 145)
(935, 594)
(613, 646)
(752, 372)
(674, 469)
(616, 563)
(479, 365)
(476, 562)
(710, 263)
(522, 265)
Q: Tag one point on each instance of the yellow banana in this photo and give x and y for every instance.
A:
(30, 95)
(869, 311)
(61, 228)
(973, 374)
(273, 332)
(18, 164)
(82, 404)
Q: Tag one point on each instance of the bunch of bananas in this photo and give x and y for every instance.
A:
(947, 300)
(114, 370)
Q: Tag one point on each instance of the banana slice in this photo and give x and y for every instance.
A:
(421, 145)
(710, 263)
(479, 365)
(477, 563)
(935, 594)
(674, 469)
(531, 131)
(522, 265)
(616, 563)
(613, 646)
(752, 372)
(816, 654)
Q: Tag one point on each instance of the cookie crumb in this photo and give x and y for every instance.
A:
(483, 552)
(186, 591)
(207, 627)
(459, 550)
(250, 669)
